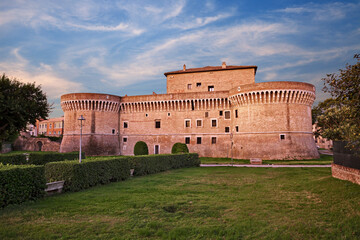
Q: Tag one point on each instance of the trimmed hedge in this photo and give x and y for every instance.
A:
(179, 148)
(89, 173)
(21, 183)
(144, 165)
(38, 158)
(141, 148)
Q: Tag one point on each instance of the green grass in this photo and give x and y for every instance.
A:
(323, 160)
(197, 203)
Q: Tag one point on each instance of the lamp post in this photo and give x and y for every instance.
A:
(81, 118)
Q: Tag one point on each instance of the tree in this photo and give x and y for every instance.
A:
(338, 118)
(179, 148)
(20, 104)
(141, 148)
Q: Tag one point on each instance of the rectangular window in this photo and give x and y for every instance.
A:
(187, 123)
(198, 123)
(198, 140)
(206, 114)
(220, 113)
(213, 122)
(236, 113)
(227, 114)
(125, 139)
(210, 88)
(227, 129)
(213, 140)
(237, 128)
(156, 149)
(50, 125)
(187, 140)
(113, 131)
(282, 137)
(157, 124)
(59, 132)
(198, 84)
(126, 124)
(189, 86)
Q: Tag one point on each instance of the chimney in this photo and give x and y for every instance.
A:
(184, 67)
(223, 64)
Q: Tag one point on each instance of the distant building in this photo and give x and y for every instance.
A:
(53, 127)
(322, 142)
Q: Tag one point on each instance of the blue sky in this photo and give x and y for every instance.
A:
(124, 47)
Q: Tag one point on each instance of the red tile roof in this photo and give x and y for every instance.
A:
(210, 68)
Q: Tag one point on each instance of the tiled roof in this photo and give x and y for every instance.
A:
(210, 68)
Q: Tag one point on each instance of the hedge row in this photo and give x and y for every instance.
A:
(150, 164)
(21, 183)
(89, 173)
(38, 158)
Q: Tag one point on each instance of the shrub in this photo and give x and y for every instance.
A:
(144, 165)
(14, 159)
(21, 183)
(141, 148)
(89, 173)
(38, 158)
(179, 148)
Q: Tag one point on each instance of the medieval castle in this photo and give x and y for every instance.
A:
(218, 111)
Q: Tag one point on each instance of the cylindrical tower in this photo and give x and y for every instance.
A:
(272, 120)
(100, 129)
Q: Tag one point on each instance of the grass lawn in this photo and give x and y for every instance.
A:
(323, 160)
(197, 203)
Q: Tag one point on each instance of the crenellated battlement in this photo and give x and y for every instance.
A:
(90, 105)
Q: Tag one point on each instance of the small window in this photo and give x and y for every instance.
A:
(189, 86)
(236, 113)
(198, 123)
(113, 131)
(220, 113)
(169, 114)
(125, 139)
(157, 124)
(198, 140)
(237, 128)
(198, 84)
(146, 115)
(227, 114)
(282, 136)
(187, 140)
(227, 129)
(187, 123)
(59, 132)
(49, 133)
(156, 149)
(50, 125)
(213, 140)
(206, 114)
(210, 88)
(126, 124)
(213, 122)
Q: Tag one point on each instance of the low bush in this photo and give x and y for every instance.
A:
(38, 158)
(89, 173)
(144, 165)
(21, 183)
(141, 148)
(14, 159)
(179, 148)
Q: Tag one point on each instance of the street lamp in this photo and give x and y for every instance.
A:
(81, 118)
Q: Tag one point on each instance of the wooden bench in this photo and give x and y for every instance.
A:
(54, 187)
(256, 161)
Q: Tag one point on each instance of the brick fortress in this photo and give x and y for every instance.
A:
(217, 111)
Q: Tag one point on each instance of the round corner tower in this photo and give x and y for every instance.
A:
(100, 129)
(273, 121)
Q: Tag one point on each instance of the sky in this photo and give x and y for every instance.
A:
(124, 47)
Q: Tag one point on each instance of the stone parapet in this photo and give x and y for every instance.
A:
(345, 173)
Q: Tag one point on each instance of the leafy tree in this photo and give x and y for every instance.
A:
(141, 148)
(20, 104)
(338, 118)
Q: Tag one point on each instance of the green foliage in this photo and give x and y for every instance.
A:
(144, 165)
(79, 176)
(179, 148)
(38, 158)
(20, 104)
(141, 148)
(21, 183)
(339, 118)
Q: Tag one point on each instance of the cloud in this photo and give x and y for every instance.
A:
(199, 21)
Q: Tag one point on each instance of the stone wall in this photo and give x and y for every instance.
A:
(345, 173)
(35, 144)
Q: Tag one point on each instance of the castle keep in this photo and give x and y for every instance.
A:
(217, 111)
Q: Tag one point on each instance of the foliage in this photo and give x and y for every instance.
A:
(338, 118)
(141, 148)
(21, 183)
(38, 158)
(179, 148)
(144, 165)
(20, 104)
(79, 176)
